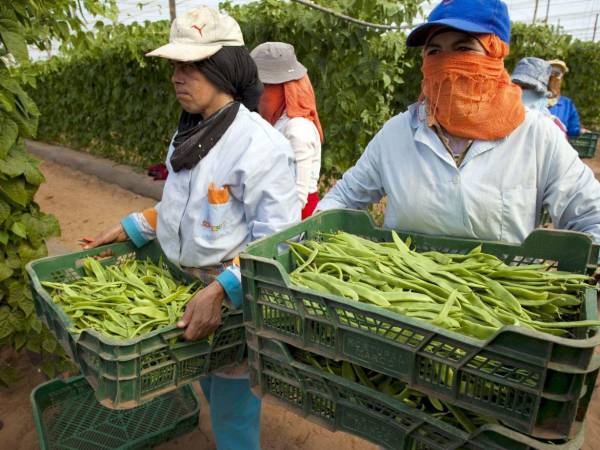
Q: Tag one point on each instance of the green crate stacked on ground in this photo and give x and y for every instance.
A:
(67, 416)
(125, 373)
(339, 404)
(533, 382)
(585, 144)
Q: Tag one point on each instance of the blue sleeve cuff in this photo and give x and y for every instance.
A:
(133, 231)
(232, 287)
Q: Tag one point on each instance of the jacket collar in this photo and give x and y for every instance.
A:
(427, 136)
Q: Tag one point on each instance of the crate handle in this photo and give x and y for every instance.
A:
(180, 343)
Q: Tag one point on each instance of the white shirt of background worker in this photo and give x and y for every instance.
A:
(288, 103)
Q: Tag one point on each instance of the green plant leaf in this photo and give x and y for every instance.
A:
(19, 229)
(49, 368)
(49, 344)
(15, 43)
(14, 190)
(5, 271)
(20, 340)
(27, 307)
(6, 327)
(4, 211)
(10, 132)
(35, 324)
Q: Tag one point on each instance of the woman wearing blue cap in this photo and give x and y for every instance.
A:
(467, 159)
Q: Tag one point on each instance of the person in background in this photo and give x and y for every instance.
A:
(231, 181)
(468, 160)
(288, 103)
(559, 105)
(532, 75)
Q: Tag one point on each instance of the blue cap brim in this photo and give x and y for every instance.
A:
(418, 36)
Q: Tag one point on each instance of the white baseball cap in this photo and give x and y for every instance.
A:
(198, 34)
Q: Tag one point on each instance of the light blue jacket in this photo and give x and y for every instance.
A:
(256, 165)
(497, 193)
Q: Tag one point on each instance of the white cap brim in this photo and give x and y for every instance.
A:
(178, 51)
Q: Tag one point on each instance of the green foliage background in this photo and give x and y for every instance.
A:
(23, 227)
(108, 99)
(111, 100)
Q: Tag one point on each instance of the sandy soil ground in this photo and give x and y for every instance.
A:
(85, 206)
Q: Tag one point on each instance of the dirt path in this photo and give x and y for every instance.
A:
(85, 206)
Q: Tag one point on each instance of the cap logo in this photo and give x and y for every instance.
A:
(195, 27)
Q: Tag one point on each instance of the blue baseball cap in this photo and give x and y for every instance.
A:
(471, 16)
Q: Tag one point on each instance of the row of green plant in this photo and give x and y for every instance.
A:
(23, 227)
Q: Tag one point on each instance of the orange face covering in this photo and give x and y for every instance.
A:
(470, 94)
(296, 98)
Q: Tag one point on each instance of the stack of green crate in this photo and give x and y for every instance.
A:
(134, 393)
(537, 385)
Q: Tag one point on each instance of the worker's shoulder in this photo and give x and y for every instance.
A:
(538, 129)
(258, 131)
(400, 124)
(257, 140)
(299, 125)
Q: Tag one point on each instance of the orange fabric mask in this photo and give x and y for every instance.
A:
(470, 94)
(296, 98)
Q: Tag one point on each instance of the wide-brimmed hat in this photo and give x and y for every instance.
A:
(533, 73)
(277, 63)
(199, 34)
(471, 16)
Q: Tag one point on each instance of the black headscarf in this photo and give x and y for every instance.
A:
(233, 71)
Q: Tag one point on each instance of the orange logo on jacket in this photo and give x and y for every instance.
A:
(216, 197)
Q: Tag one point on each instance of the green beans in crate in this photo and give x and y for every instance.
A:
(534, 382)
(125, 373)
(68, 417)
(343, 405)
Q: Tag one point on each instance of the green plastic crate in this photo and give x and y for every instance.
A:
(128, 372)
(585, 144)
(340, 404)
(68, 417)
(534, 382)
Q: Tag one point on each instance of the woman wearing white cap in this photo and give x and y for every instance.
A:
(288, 103)
(467, 159)
(231, 181)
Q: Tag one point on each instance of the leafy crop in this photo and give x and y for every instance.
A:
(23, 227)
